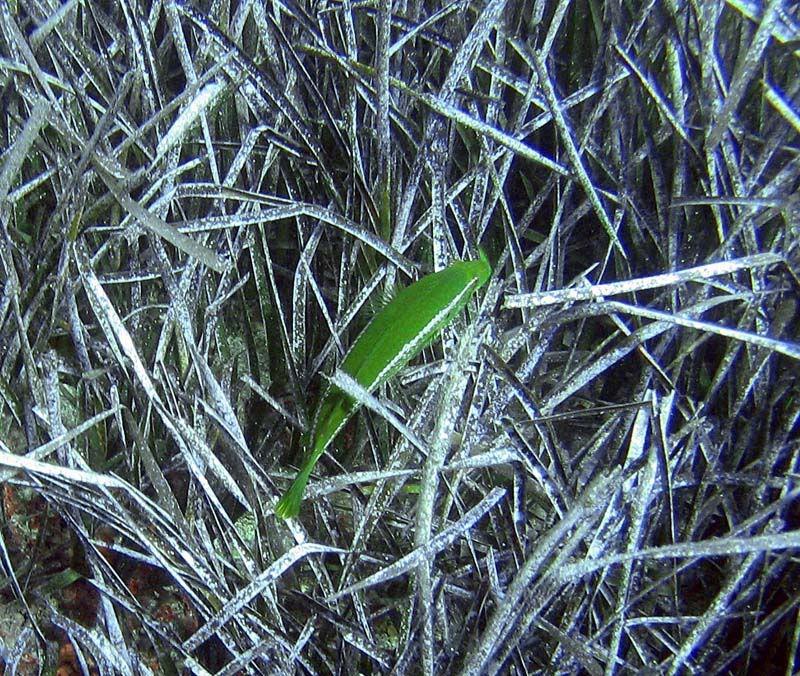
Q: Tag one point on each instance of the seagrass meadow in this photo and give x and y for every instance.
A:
(585, 460)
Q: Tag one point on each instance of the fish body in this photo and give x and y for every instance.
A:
(395, 335)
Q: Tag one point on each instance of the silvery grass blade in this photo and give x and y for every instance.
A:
(184, 436)
(78, 481)
(382, 184)
(14, 156)
(724, 546)
(435, 545)
(358, 303)
(454, 113)
(296, 62)
(222, 411)
(787, 348)
(445, 424)
(599, 291)
(271, 92)
(335, 484)
(413, 30)
(303, 278)
(585, 509)
(203, 99)
(166, 496)
(745, 70)
(296, 209)
(353, 389)
(274, 403)
(716, 613)
(11, 578)
(652, 90)
(534, 468)
(255, 588)
(646, 332)
(103, 653)
(462, 60)
(501, 456)
(159, 227)
(570, 146)
(386, 492)
(41, 452)
(641, 487)
(351, 632)
(781, 102)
